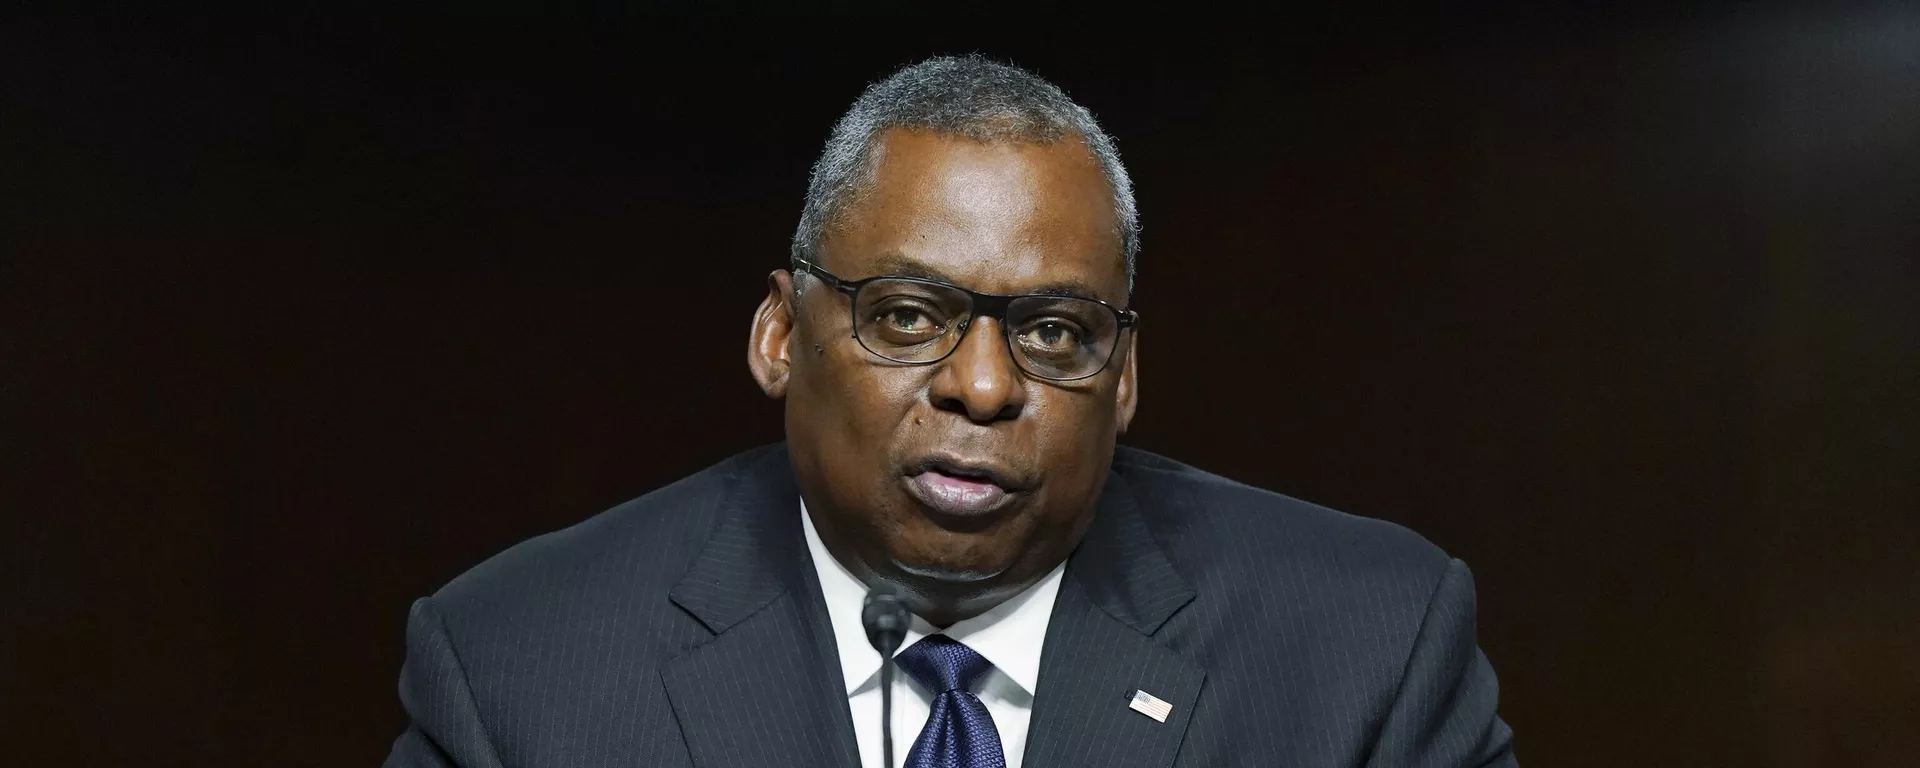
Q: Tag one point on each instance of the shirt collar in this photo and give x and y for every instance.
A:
(1009, 636)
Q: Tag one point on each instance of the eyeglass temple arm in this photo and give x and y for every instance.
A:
(807, 267)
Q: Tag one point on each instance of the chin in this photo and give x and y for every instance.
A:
(949, 574)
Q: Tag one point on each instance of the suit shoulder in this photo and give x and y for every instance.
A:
(1215, 523)
(650, 540)
(1291, 601)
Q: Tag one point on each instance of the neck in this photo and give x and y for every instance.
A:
(944, 604)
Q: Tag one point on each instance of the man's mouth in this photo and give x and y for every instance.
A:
(960, 489)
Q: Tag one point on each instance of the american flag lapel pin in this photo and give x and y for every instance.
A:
(1150, 705)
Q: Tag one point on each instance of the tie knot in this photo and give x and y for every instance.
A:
(941, 664)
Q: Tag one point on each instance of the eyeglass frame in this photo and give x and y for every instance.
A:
(980, 304)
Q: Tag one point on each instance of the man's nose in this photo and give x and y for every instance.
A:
(980, 379)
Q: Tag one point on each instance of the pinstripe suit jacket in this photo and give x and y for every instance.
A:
(687, 628)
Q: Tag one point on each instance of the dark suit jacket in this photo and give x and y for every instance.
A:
(687, 627)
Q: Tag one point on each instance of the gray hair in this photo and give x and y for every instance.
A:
(962, 96)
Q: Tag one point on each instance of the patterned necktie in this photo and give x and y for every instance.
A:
(959, 731)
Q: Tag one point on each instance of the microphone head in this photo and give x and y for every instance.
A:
(886, 619)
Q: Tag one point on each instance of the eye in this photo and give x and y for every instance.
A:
(905, 318)
(904, 322)
(1051, 336)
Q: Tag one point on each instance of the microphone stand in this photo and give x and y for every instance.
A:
(885, 619)
(886, 712)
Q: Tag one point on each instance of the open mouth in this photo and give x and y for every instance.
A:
(959, 489)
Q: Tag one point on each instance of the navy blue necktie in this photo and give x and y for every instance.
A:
(959, 732)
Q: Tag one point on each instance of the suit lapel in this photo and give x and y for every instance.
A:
(1119, 589)
(767, 689)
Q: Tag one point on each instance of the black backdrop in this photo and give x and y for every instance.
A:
(302, 317)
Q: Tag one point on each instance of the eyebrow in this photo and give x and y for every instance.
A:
(896, 264)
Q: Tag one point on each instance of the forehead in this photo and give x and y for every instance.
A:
(997, 217)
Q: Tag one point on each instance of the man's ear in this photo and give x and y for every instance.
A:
(768, 355)
(1127, 395)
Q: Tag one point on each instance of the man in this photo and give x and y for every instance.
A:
(956, 357)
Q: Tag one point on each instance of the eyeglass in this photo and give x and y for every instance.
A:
(920, 322)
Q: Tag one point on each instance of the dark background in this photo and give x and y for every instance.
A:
(300, 318)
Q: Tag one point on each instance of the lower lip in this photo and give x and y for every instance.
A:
(957, 496)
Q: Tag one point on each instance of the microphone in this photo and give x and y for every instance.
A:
(886, 619)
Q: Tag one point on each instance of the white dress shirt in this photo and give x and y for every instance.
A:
(1010, 636)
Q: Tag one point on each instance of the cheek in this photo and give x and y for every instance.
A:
(1067, 422)
(1074, 442)
(851, 405)
(876, 399)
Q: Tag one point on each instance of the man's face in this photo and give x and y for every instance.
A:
(964, 481)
